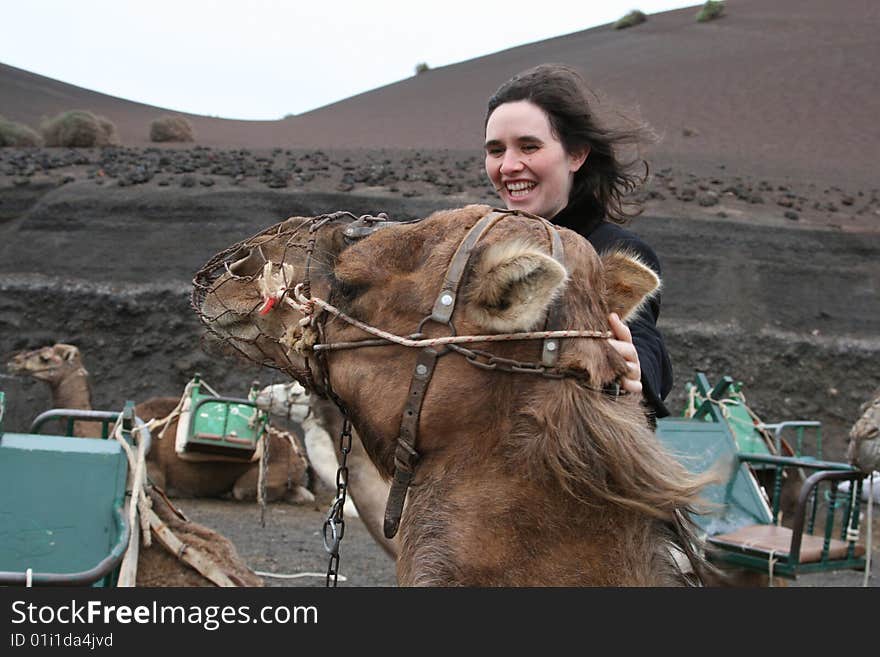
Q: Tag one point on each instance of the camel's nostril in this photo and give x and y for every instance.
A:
(246, 262)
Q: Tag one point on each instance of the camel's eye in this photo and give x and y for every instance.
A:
(345, 292)
(45, 358)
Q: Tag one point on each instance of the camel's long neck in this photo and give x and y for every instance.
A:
(72, 391)
(491, 527)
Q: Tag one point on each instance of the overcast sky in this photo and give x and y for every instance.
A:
(264, 59)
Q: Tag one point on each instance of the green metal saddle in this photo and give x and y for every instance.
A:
(743, 523)
(226, 426)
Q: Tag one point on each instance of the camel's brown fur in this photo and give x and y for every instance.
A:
(522, 479)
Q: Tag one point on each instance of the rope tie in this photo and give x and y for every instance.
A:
(286, 435)
(261, 479)
(165, 422)
(429, 342)
(691, 409)
(852, 534)
(868, 521)
(738, 399)
(263, 573)
(137, 510)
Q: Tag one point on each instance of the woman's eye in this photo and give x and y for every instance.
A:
(529, 148)
(495, 152)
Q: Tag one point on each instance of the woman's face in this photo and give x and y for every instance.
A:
(526, 163)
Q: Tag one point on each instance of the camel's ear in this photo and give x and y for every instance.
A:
(513, 284)
(66, 351)
(629, 282)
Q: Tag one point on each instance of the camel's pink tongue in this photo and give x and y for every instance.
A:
(268, 305)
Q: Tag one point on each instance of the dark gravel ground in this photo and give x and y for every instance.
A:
(291, 543)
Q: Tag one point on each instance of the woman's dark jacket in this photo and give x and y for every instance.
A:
(654, 360)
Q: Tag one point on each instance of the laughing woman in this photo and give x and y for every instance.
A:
(547, 154)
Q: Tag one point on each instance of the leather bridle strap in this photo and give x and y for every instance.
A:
(445, 303)
(406, 456)
(550, 347)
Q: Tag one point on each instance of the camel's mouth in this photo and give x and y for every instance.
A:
(230, 330)
(23, 369)
(20, 364)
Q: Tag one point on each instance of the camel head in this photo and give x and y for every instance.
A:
(49, 364)
(863, 450)
(430, 335)
(288, 400)
(390, 279)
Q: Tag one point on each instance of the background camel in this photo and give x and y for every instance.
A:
(864, 437)
(863, 450)
(520, 479)
(321, 422)
(60, 366)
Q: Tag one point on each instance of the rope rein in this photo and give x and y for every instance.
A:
(869, 521)
(306, 306)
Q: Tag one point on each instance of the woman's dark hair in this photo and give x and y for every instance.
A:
(562, 93)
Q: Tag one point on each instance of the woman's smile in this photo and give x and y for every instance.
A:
(519, 189)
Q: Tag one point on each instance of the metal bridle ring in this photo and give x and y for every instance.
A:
(331, 545)
(444, 349)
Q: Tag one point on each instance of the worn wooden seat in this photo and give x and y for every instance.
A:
(775, 541)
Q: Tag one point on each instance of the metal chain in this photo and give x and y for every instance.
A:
(335, 522)
(485, 360)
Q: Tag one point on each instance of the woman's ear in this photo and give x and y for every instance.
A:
(576, 160)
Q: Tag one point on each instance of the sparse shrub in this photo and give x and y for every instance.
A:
(710, 11)
(171, 128)
(108, 129)
(79, 128)
(422, 67)
(632, 18)
(17, 134)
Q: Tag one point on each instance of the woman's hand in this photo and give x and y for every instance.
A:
(623, 344)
